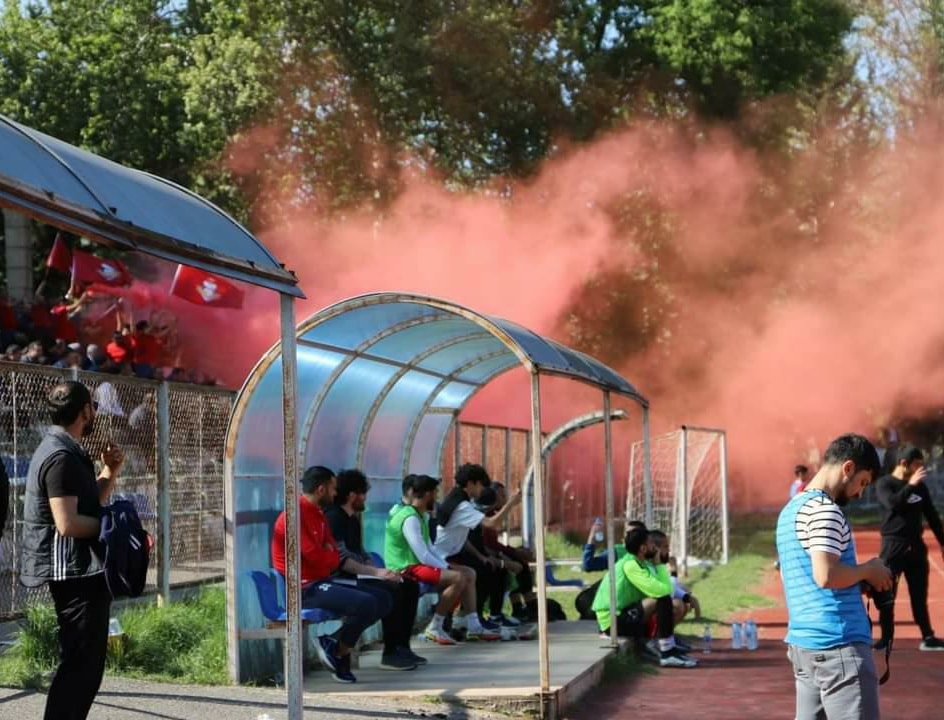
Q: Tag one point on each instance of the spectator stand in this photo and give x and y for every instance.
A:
(382, 379)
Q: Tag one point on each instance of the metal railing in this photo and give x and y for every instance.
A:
(184, 464)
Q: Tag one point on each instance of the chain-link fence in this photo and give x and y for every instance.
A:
(127, 415)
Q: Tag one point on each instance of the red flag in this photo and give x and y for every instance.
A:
(60, 258)
(201, 288)
(88, 269)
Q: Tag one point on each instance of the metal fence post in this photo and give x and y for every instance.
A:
(540, 557)
(610, 543)
(683, 502)
(163, 494)
(725, 530)
(647, 465)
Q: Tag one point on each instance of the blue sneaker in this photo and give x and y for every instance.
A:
(327, 648)
(343, 672)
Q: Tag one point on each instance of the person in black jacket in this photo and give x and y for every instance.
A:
(61, 524)
(906, 503)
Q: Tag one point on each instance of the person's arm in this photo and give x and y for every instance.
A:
(931, 514)
(654, 585)
(891, 498)
(826, 528)
(112, 460)
(414, 537)
(496, 520)
(828, 572)
(351, 565)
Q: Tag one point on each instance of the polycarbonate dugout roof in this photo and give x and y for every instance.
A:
(382, 376)
(58, 183)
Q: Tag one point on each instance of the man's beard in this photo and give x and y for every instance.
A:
(357, 505)
(651, 554)
(841, 498)
(88, 428)
(664, 558)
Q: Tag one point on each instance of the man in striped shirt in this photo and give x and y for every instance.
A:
(828, 633)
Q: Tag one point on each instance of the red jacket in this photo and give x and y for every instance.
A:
(318, 549)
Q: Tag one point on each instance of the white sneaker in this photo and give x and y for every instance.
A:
(438, 636)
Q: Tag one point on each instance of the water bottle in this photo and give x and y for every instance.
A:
(706, 640)
(736, 643)
(598, 536)
(751, 635)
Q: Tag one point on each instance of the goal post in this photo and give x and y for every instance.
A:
(688, 495)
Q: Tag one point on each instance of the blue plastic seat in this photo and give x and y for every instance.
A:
(314, 615)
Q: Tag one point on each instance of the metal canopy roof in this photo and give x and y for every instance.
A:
(71, 188)
(381, 376)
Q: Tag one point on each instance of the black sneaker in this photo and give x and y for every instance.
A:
(931, 644)
(396, 661)
(683, 646)
(408, 653)
(343, 672)
(327, 648)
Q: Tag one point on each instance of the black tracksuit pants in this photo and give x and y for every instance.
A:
(398, 623)
(83, 606)
(910, 560)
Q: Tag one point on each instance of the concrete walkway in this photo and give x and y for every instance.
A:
(121, 699)
(501, 676)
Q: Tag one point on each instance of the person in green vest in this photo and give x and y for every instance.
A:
(408, 551)
(642, 590)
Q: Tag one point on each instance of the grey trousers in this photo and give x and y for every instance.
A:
(836, 684)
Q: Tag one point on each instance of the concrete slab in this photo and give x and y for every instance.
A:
(500, 676)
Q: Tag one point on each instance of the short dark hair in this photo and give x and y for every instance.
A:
(856, 448)
(799, 469)
(422, 484)
(488, 498)
(658, 535)
(350, 481)
(407, 485)
(66, 400)
(141, 325)
(470, 472)
(635, 539)
(315, 477)
(908, 454)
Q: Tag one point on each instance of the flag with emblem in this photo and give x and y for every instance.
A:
(202, 288)
(88, 269)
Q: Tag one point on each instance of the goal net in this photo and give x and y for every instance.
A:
(687, 493)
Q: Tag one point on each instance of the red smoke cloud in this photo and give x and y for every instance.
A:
(783, 332)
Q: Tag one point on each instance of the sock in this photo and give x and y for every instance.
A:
(666, 644)
(437, 622)
(460, 622)
(473, 621)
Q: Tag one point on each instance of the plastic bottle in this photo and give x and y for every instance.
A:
(736, 642)
(751, 635)
(598, 535)
(706, 640)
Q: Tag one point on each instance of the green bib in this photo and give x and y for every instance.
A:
(397, 551)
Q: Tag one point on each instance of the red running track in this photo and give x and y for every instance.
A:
(736, 684)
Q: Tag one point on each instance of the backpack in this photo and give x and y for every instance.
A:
(127, 549)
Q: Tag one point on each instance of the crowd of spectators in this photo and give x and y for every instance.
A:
(55, 336)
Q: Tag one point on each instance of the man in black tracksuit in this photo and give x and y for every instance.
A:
(906, 503)
(61, 524)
